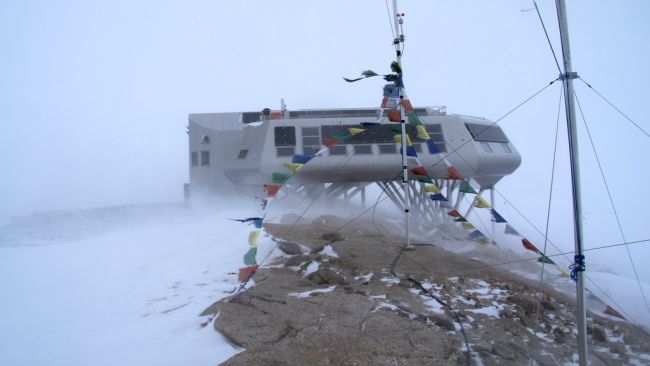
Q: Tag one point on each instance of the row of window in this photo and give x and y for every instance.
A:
(205, 158)
(382, 135)
(382, 149)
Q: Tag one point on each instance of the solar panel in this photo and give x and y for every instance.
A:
(486, 133)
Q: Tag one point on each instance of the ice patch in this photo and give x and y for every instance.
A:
(489, 311)
(364, 278)
(390, 280)
(329, 251)
(311, 268)
(309, 293)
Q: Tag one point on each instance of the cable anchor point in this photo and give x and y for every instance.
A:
(569, 75)
(577, 266)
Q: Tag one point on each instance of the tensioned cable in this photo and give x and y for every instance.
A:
(558, 249)
(390, 20)
(455, 150)
(615, 107)
(548, 39)
(548, 212)
(494, 123)
(611, 201)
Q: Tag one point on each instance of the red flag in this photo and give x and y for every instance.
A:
(452, 173)
(419, 170)
(247, 272)
(454, 213)
(395, 116)
(530, 246)
(272, 189)
(407, 106)
(329, 142)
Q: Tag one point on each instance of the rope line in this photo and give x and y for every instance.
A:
(615, 107)
(564, 255)
(494, 123)
(611, 201)
(548, 39)
(548, 211)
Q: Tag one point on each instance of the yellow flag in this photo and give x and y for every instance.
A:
(479, 202)
(252, 238)
(292, 166)
(422, 132)
(355, 131)
(563, 273)
(467, 226)
(398, 139)
(431, 188)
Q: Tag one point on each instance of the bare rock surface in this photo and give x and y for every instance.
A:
(372, 304)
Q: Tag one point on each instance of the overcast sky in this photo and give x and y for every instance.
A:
(94, 96)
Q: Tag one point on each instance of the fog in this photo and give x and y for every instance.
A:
(95, 96)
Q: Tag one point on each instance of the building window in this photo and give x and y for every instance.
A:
(506, 148)
(435, 132)
(242, 154)
(486, 133)
(205, 157)
(205, 139)
(285, 151)
(338, 150)
(310, 150)
(194, 157)
(362, 149)
(285, 136)
(310, 140)
(387, 148)
(486, 147)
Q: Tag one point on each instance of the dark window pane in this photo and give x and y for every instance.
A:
(435, 128)
(388, 149)
(311, 141)
(285, 151)
(362, 149)
(310, 150)
(487, 133)
(310, 131)
(205, 158)
(285, 136)
(242, 154)
(195, 158)
(338, 150)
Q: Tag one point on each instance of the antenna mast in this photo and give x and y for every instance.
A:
(397, 22)
(578, 266)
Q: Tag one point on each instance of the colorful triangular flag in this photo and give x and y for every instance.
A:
(249, 257)
(453, 173)
(431, 188)
(301, 159)
(496, 216)
(280, 178)
(510, 230)
(247, 272)
(466, 187)
(530, 246)
(437, 197)
(479, 202)
(355, 131)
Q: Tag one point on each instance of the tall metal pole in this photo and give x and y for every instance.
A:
(405, 178)
(567, 79)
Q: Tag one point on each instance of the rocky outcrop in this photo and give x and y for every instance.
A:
(354, 309)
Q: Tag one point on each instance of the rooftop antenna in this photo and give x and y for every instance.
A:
(399, 34)
(578, 266)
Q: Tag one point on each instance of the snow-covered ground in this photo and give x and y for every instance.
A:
(124, 294)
